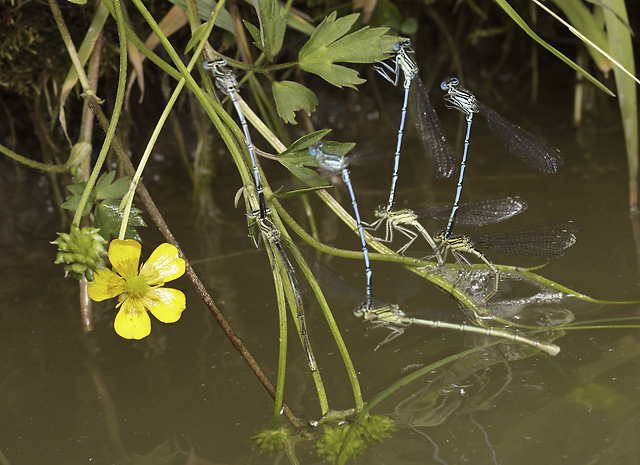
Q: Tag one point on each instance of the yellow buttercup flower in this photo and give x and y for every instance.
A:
(139, 292)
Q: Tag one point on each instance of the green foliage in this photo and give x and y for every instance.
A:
(506, 7)
(108, 218)
(581, 17)
(331, 44)
(296, 157)
(106, 197)
(290, 97)
(597, 396)
(272, 441)
(371, 429)
(273, 24)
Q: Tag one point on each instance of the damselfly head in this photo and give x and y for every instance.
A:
(316, 148)
(381, 211)
(213, 64)
(404, 43)
(449, 83)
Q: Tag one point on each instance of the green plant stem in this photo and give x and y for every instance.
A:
(397, 386)
(333, 327)
(210, 105)
(68, 42)
(282, 328)
(139, 44)
(87, 91)
(127, 200)
(34, 164)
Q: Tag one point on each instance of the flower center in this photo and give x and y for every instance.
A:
(136, 286)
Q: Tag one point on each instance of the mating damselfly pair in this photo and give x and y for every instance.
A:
(542, 241)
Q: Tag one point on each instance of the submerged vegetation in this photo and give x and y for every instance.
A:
(220, 52)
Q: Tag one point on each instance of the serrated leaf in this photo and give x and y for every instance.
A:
(273, 24)
(290, 97)
(115, 190)
(108, 219)
(77, 189)
(104, 181)
(308, 176)
(329, 45)
(73, 201)
(306, 141)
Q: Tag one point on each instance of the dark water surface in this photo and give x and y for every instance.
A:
(183, 395)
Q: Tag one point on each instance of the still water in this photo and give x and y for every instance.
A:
(184, 396)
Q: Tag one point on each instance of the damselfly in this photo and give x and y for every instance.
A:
(274, 241)
(434, 143)
(332, 163)
(226, 81)
(478, 213)
(391, 317)
(519, 142)
(544, 241)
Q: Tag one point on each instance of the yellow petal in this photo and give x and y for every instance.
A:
(132, 321)
(125, 256)
(166, 304)
(105, 285)
(163, 265)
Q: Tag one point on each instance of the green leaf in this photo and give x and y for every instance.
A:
(584, 20)
(305, 142)
(290, 97)
(195, 38)
(308, 176)
(114, 190)
(301, 192)
(108, 219)
(104, 182)
(73, 201)
(329, 45)
(515, 17)
(273, 24)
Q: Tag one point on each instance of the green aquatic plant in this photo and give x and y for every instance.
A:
(334, 441)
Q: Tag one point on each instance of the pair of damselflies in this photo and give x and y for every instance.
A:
(226, 82)
(394, 319)
(478, 213)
